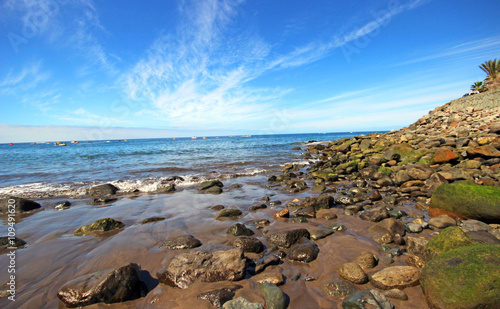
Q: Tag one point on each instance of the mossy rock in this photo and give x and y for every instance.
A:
(464, 278)
(450, 238)
(385, 170)
(101, 225)
(325, 175)
(467, 201)
(415, 156)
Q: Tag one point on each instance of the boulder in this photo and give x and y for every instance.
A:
(467, 201)
(442, 221)
(119, 285)
(101, 225)
(219, 297)
(208, 263)
(463, 278)
(450, 238)
(247, 244)
(305, 251)
(181, 242)
(352, 272)
(21, 205)
(487, 151)
(367, 299)
(103, 190)
(286, 238)
(274, 296)
(395, 277)
(338, 288)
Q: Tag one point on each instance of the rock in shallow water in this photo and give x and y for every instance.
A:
(247, 244)
(219, 297)
(286, 238)
(367, 299)
(181, 242)
(274, 296)
(306, 251)
(119, 285)
(352, 272)
(320, 233)
(241, 303)
(228, 213)
(6, 242)
(103, 190)
(101, 225)
(20, 205)
(395, 277)
(239, 230)
(208, 263)
(338, 288)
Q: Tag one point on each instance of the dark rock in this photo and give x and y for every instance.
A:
(228, 213)
(181, 242)
(326, 214)
(483, 237)
(209, 184)
(306, 251)
(266, 260)
(274, 296)
(343, 199)
(218, 297)
(372, 196)
(352, 272)
(217, 207)
(101, 225)
(274, 203)
(166, 189)
(465, 277)
(286, 238)
(21, 205)
(257, 207)
(317, 202)
(395, 277)
(239, 230)
(320, 233)
(475, 226)
(307, 212)
(103, 190)
(208, 263)
(12, 242)
(102, 200)
(338, 288)
(375, 214)
(152, 219)
(367, 299)
(337, 227)
(62, 205)
(213, 190)
(247, 244)
(119, 285)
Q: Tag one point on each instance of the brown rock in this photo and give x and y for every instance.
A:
(352, 272)
(284, 213)
(443, 155)
(366, 260)
(396, 277)
(326, 214)
(485, 151)
(415, 260)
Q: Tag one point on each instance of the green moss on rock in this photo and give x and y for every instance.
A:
(467, 277)
(101, 225)
(385, 170)
(467, 201)
(450, 238)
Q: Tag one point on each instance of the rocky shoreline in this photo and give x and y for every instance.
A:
(405, 219)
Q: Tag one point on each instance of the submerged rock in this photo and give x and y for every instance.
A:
(20, 205)
(152, 219)
(101, 225)
(119, 285)
(228, 213)
(338, 288)
(181, 242)
(62, 205)
(13, 242)
(103, 190)
(320, 233)
(274, 296)
(208, 263)
(367, 299)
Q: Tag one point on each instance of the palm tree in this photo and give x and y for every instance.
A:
(477, 86)
(492, 69)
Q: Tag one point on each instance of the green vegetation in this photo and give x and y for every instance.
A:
(478, 86)
(492, 70)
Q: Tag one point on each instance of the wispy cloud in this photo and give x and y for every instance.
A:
(29, 77)
(81, 116)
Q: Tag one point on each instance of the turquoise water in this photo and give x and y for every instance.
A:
(43, 169)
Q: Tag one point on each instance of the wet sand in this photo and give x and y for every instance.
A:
(53, 256)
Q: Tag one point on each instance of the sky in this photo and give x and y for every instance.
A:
(85, 70)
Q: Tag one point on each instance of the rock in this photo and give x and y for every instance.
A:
(375, 214)
(307, 212)
(317, 188)
(274, 296)
(396, 294)
(166, 189)
(306, 251)
(325, 175)
(415, 260)
(181, 242)
(102, 200)
(239, 230)
(13, 242)
(467, 201)
(219, 297)
(317, 202)
(487, 151)
(274, 278)
(367, 299)
(434, 182)
(336, 227)
(402, 177)
(366, 260)
(152, 219)
(415, 245)
(392, 225)
(266, 260)
(344, 200)
(443, 155)
(228, 213)
(101, 225)
(483, 237)
(465, 277)
(217, 207)
(119, 285)
(241, 303)
(420, 172)
(442, 221)
(372, 196)
(284, 213)
(475, 225)
(62, 205)
(352, 272)
(414, 228)
(274, 203)
(247, 244)
(450, 238)
(338, 288)
(326, 214)
(257, 207)
(286, 238)
(320, 233)
(209, 184)
(213, 190)
(20, 205)
(208, 263)
(395, 277)
(103, 190)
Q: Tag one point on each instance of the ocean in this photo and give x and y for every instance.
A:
(44, 170)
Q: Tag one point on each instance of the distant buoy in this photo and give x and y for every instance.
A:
(174, 139)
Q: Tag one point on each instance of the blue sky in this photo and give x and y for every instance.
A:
(86, 69)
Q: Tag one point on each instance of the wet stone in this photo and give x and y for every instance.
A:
(181, 242)
(338, 288)
(239, 230)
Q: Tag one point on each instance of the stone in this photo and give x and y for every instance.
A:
(62, 205)
(217, 207)
(286, 238)
(344, 200)
(166, 189)
(320, 233)
(266, 260)
(241, 303)
(395, 277)
(416, 245)
(338, 288)
(352, 272)
(119, 285)
(326, 214)
(219, 297)
(209, 184)
(239, 230)
(442, 221)
(20, 205)
(414, 228)
(274, 296)
(152, 219)
(337, 227)
(465, 277)
(213, 190)
(443, 155)
(103, 190)
(401, 177)
(450, 238)
(487, 151)
(318, 188)
(415, 260)
(13, 242)
(396, 294)
(273, 277)
(467, 201)
(366, 260)
(434, 182)
(475, 225)
(367, 299)
(307, 212)
(102, 200)
(372, 196)
(305, 251)
(181, 242)
(317, 202)
(257, 207)
(228, 213)
(101, 225)
(247, 244)
(375, 214)
(284, 213)
(208, 263)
